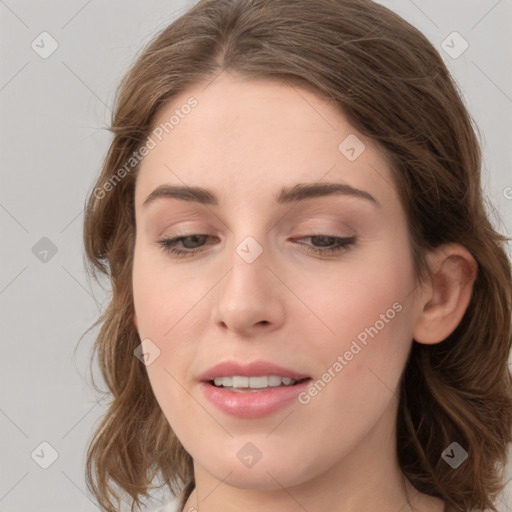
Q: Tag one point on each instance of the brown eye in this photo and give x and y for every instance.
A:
(169, 245)
(341, 244)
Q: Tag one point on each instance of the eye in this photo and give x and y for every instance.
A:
(337, 244)
(169, 245)
(193, 244)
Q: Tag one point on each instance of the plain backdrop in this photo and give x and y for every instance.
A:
(54, 111)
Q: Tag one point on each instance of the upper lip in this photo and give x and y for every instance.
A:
(249, 369)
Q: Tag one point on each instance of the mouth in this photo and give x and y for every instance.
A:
(244, 384)
(252, 389)
(242, 400)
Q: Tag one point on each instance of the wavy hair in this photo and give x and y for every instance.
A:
(393, 86)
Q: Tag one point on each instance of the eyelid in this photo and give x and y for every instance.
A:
(184, 229)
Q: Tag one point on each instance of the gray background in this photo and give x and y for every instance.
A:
(54, 113)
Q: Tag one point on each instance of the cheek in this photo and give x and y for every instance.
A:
(167, 306)
(158, 295)
(354, 296)
(368, 309)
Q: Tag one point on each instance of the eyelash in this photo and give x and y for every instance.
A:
(344, 244)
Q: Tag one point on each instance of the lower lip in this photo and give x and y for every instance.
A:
(252, 404)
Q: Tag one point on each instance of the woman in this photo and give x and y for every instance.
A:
(310, 307)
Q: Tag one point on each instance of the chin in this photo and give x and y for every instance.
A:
(271, 474)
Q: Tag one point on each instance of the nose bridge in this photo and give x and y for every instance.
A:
(249, 275)
(252, 245)
(248, 294)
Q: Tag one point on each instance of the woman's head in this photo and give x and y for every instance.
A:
(245, 99)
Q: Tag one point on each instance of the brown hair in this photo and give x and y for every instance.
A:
(393, 86)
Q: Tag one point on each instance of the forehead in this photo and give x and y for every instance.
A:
(244, 137)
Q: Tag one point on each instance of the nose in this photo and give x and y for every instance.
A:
(250, 296)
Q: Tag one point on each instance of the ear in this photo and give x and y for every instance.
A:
(445, 297)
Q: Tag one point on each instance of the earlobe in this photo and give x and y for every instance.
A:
(445, 298)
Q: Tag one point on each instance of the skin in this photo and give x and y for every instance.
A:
(244, 141)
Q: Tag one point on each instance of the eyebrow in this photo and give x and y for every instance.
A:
(286, 195)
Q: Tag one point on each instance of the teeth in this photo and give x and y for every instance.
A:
(253, 382)
(240, 382)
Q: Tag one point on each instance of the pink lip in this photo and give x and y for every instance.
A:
(252, 404)
(251, 369)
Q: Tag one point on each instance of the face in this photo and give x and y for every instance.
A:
(253, 285)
